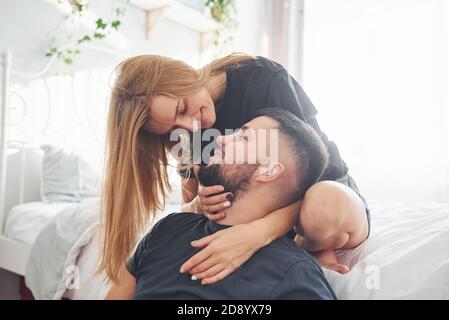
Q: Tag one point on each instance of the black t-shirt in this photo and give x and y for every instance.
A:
(262, 83)
(280, 270)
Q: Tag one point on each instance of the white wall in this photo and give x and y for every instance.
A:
(250, 36)
(24, 25)
(378, 72)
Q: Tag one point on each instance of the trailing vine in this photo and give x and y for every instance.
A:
(102, 29)
(224, 12)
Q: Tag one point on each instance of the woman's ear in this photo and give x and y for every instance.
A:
(270, 172)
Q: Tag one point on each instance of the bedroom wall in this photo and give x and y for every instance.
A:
(378, 73)
(24, 26)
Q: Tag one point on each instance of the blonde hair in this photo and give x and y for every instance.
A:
(136, 180)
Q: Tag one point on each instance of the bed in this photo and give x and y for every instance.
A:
(406, 257)
(55, 243)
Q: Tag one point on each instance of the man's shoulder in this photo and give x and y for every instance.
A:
(286, 250)
(174, 218)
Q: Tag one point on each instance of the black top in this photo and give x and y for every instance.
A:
(280, 270)
(261, 83)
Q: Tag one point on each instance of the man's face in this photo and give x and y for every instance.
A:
(240, 154)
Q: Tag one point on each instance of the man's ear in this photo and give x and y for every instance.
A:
(270, 172)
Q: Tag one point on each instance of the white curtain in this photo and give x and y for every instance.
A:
(284, 34)
(378, 72)
(272, 28)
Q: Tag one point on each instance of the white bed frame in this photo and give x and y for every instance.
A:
(13, 254)
(20, 164)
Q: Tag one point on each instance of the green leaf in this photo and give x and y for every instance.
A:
(77, 51)
(119, 11)
(99, 35)
(86, 38)
(68, 60)
(115, 24)
(101, 24)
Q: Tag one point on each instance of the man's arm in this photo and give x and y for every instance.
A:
(124, 289)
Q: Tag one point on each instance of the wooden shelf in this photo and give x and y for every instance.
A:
(177, 12)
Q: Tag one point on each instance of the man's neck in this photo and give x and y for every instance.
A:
(247, 208)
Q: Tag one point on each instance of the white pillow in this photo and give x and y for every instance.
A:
(66, 177)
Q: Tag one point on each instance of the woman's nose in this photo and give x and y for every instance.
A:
(188, 123)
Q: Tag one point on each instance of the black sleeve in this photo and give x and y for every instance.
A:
(132, 264)
(284, 92)
(303, 281)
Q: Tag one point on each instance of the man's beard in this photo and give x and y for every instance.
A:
(234, 178)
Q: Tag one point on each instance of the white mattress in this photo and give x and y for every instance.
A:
(406, 256)
(25, 221)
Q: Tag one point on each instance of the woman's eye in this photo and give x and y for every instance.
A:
(181, 109)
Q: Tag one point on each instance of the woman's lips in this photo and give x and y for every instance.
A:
(217, 157)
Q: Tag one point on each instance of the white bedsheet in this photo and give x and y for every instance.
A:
(406, 256)
(25, 221)
(91, 286)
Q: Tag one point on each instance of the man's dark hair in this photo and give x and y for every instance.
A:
(311, 152)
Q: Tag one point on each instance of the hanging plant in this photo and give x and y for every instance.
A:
(102, 29)
(224, 12)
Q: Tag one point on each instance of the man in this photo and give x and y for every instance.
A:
(280, 270)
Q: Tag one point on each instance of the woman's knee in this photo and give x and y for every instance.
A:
(323, 210)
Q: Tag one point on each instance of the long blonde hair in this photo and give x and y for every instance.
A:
(136, 180)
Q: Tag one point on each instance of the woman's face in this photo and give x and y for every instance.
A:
(168, 113)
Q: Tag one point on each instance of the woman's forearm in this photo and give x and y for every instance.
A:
(277, 223)
(191, 206)
(189, 189)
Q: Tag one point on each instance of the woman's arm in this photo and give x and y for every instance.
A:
(191, 206)
(124, 290)
(189, 189)
(278, 223)
(226, 250)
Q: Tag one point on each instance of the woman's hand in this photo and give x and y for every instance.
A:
(212, 201)
(224, 252)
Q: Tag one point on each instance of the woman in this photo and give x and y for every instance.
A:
(154, 95)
